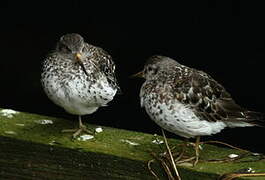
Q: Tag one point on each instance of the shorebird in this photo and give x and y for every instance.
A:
(189, 102)
(79, 77)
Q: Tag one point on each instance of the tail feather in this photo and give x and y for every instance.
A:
(236, 113)
(255, 118)
(246, 119)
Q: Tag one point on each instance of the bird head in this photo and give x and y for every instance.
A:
(151, 68)
(73, 47)
(156, 65)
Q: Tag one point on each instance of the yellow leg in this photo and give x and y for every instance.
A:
(77, 132)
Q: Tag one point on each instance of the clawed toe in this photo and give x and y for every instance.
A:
(79, 131)
(76, 132)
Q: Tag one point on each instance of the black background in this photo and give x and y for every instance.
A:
(224, 39)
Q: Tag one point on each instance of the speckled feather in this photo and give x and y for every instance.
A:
(189, 102)
(79, 90)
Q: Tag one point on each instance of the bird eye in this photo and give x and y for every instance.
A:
(149, 68)
(152, 69)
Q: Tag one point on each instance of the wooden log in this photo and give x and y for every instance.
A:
(33, 147)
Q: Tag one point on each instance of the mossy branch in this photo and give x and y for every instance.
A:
(33, 147)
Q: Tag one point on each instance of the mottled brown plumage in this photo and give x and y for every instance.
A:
(189, 102)
(197, 90)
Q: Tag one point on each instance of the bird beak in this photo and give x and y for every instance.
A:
(139, 75)
(78, 58)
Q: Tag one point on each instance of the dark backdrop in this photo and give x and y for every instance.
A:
(225, 40)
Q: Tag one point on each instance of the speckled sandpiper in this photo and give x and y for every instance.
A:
(189, 102)
(79, 77)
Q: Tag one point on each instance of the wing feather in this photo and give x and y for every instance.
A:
(210, 100)
(107, 66)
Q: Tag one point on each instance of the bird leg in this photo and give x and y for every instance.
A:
(77, 132)
(245, 153)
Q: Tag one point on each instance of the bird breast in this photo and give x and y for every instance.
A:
(175, 116)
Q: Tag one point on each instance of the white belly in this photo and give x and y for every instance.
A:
(78, 96)
(178, 119)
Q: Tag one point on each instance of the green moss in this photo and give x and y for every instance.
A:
(107, 147)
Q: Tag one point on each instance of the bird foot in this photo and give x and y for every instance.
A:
(77, 132)
(194, 145)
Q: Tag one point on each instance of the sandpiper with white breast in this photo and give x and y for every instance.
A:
(79, 77)
(189, 102)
